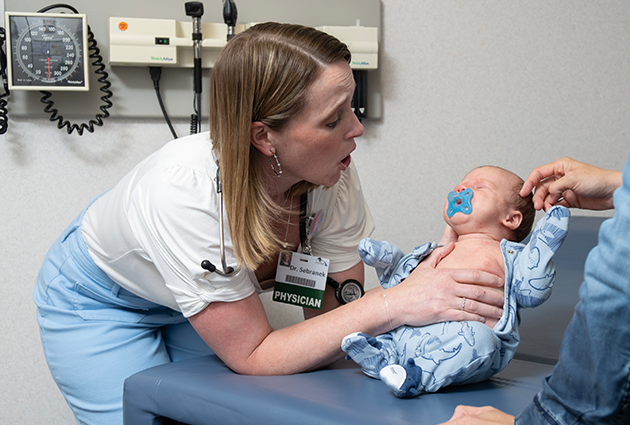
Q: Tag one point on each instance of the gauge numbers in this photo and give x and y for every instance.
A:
(48, 51)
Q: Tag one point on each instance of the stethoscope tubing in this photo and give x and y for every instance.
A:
(206, 264)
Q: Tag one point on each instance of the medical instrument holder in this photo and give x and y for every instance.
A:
(195, 9)
(230, 15)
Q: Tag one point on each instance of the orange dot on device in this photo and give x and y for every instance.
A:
(123, 26)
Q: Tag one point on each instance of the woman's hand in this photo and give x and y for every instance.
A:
(572, 184)
(467, 415)
(436, 256)
(431, 295)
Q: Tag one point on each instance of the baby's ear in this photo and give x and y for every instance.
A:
(513, 220)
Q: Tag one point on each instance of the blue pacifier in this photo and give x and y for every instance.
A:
(459, 202)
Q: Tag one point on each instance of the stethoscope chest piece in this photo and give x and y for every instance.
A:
(348, 291)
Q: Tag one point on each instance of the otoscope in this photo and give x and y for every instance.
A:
(230, 14)
(195, 9)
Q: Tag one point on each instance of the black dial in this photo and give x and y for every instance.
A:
(48, 52)
(349, 290)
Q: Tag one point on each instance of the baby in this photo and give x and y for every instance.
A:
(488, 219)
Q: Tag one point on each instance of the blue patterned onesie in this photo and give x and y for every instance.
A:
(434, 356)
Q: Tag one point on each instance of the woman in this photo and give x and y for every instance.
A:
(128, 292)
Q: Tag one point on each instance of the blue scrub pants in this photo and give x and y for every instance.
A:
(95, 334)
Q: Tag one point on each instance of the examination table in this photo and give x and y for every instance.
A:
(204, 391)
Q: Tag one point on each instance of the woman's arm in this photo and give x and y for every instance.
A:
(239, 333)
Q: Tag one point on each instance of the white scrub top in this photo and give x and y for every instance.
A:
(153, 229)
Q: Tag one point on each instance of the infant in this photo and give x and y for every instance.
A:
(489, 219)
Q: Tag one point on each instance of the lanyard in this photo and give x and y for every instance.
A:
(304, 240)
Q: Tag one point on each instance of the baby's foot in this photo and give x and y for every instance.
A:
(394, 376)
(404, 381)
(366, 351)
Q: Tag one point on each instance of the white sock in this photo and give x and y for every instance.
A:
(394, 376)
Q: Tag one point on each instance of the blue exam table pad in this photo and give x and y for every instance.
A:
(204, 391)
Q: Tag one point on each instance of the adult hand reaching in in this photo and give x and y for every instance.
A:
(468, 415)
(573, 184)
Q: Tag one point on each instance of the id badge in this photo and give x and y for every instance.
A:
(300, 280)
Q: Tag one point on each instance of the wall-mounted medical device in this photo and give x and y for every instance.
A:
(136, 97)
(362, 42)
(48, 51)
(168, 43)
(51, 52)
(163, 42)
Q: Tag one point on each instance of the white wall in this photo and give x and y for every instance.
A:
(514, 84)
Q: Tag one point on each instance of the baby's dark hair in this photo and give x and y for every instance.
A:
(526, 206)
(523, 204)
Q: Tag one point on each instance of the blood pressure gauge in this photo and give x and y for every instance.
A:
(48, 51)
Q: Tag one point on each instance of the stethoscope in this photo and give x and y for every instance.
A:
(206, 264)
(345, 292)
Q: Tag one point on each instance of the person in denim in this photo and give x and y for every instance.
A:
(591, 382)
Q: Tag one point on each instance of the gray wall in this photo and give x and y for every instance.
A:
(514, 84)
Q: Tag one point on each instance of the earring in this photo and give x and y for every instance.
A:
(279, 172)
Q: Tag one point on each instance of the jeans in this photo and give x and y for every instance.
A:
(591, 382)
(95, 334)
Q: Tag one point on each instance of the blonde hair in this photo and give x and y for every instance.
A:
(263, 74)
